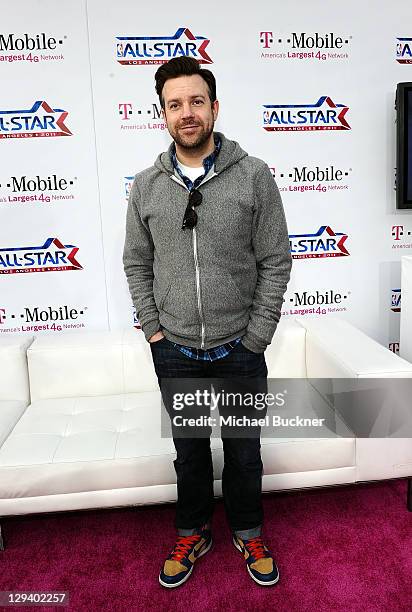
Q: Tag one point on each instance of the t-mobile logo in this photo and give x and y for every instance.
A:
(394, 347)
(125, 110)
(397, 231)
(266, 38)
(2, 316)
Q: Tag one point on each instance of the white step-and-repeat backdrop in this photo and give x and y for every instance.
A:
(307, 86)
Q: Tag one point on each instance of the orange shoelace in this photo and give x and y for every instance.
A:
(256, 548)
(183, 546)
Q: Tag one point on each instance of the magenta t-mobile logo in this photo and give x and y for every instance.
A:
(397, 231)
(266, 39)
(125, 110)
(2, 316)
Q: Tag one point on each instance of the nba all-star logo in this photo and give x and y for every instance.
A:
(324, 243)
(404, 50)
(41, 120)
(323, 115)
(128, 181)
(396, 300)
(136, 322)
(143, 50)
(52, 256)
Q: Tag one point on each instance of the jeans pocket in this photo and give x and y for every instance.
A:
(161, 341)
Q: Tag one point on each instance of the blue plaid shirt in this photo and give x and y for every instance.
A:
(224, 349)
(207, 165)
(211, 354)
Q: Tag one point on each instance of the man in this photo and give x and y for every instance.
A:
(207, 261)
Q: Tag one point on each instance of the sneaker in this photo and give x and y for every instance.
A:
(260, 563)
(179, 564)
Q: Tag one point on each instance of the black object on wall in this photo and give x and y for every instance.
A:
(404, 146)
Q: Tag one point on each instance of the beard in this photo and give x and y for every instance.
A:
(192, 142)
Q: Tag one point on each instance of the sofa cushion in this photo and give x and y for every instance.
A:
(89, 364)
(110, 363)
(10, 413)
(100, 443)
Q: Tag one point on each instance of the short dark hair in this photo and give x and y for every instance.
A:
(183, 66)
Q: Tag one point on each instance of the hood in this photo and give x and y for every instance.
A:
(230, 153)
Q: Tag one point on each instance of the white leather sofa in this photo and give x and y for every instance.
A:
(90, 437)
(14, 384)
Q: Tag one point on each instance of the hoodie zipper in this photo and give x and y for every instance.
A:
(199, 301)
(197, 267)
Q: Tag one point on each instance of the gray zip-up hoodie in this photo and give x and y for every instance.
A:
(224, 278)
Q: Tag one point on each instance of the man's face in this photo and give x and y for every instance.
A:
(188, 112)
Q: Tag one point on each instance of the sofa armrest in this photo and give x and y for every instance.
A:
(337, 349)
(14, 378)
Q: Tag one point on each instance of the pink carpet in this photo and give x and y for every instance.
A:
(342, 548)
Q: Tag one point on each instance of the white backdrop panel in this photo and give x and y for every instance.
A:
(59, 76)
(288, 55)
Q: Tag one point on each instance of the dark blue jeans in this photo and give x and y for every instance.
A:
(243, 468)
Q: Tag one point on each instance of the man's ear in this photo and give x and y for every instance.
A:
(215, 109)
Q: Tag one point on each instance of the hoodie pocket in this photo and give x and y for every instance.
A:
(179, 301)
(160, 291)
(223, 302)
